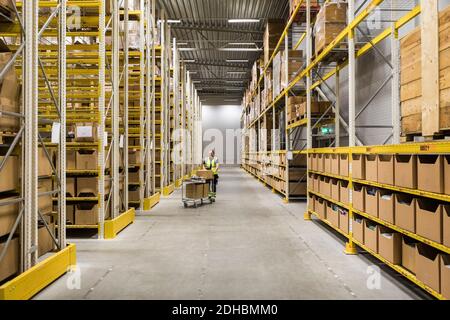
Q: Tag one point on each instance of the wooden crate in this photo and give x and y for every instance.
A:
(411, 75)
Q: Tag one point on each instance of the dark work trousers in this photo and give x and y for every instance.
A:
(214, 183)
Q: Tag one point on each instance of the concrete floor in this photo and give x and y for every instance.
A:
(248, 245)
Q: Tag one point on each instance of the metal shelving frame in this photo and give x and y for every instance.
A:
(29, 35)
(432, 148)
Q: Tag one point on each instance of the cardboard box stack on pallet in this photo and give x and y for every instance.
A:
(331, 20)
(297, 108)
(411, 75)
(295, 63)
(274, 30)
(423, 216)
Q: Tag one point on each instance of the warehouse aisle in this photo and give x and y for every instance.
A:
(249, 245)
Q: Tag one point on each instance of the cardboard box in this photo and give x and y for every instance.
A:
(320, 162)
(133, 176)
(409, 254)
(386, 169)
(134, 195)
(9, 175)
(406, 171)
(70, 215)
(71, 160)
(329, 23)
(310, 162)
(334, 189)
(327, 163)
(358, 197)
(134, 157)
(445, 275)
(86, 132)
(405, 212)
(9, 92)
(205, 174)
(86, 214)
(386, 206)
(343, 192)
(297, 188)
(325, 186)
(333, 214)
(371, 235)
(8, 216)
(343, 165)
(316, 182)
(371, 167)
(344, 220)
(314, 162)
(44, 165)
(71, 190)
(429, 219)
(371, 201)
(89, 186)
(358, 226)
(428, 266)
(358, 166)
(334, 164)
(446, 225)
(430, 173)
(321, 207)
(390, 245)
(86, 160)
(311, 199)
(45, 201)
(447, 174)
(194, 191)
(45, 241)
(10, 264)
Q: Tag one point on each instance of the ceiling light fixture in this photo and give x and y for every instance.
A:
(187, 49)
(189, 61)
(173, 21)
(242, 44)
(237, 60)
(241, 49)
(243, 20)
(237, 72)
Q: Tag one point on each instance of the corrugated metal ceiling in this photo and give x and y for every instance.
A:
(205, 28)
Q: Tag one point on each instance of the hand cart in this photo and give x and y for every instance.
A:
(189, 200)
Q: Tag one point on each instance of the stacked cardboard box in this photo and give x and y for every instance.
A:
(9, 92)
(294, 64)
(272, 34)
(331, 20)
(411, 77)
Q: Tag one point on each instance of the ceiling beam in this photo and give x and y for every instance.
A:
(204, 27)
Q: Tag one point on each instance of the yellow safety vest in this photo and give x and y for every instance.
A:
(211, 165)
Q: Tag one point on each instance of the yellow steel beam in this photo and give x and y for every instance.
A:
(32, 281)
(152, 201)
(114, 226)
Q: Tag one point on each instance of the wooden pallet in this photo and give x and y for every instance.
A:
(296, 119)
(418, 137)
(301, 15)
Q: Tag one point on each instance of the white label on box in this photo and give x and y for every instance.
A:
(56, 127)
(121, 141)
(84, 132)
(290, 156)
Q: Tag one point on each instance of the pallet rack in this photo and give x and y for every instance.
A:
(26, 34)
(314, 77)
(432, 148)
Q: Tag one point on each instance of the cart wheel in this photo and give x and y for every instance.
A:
(185, 205)
(213, 200)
